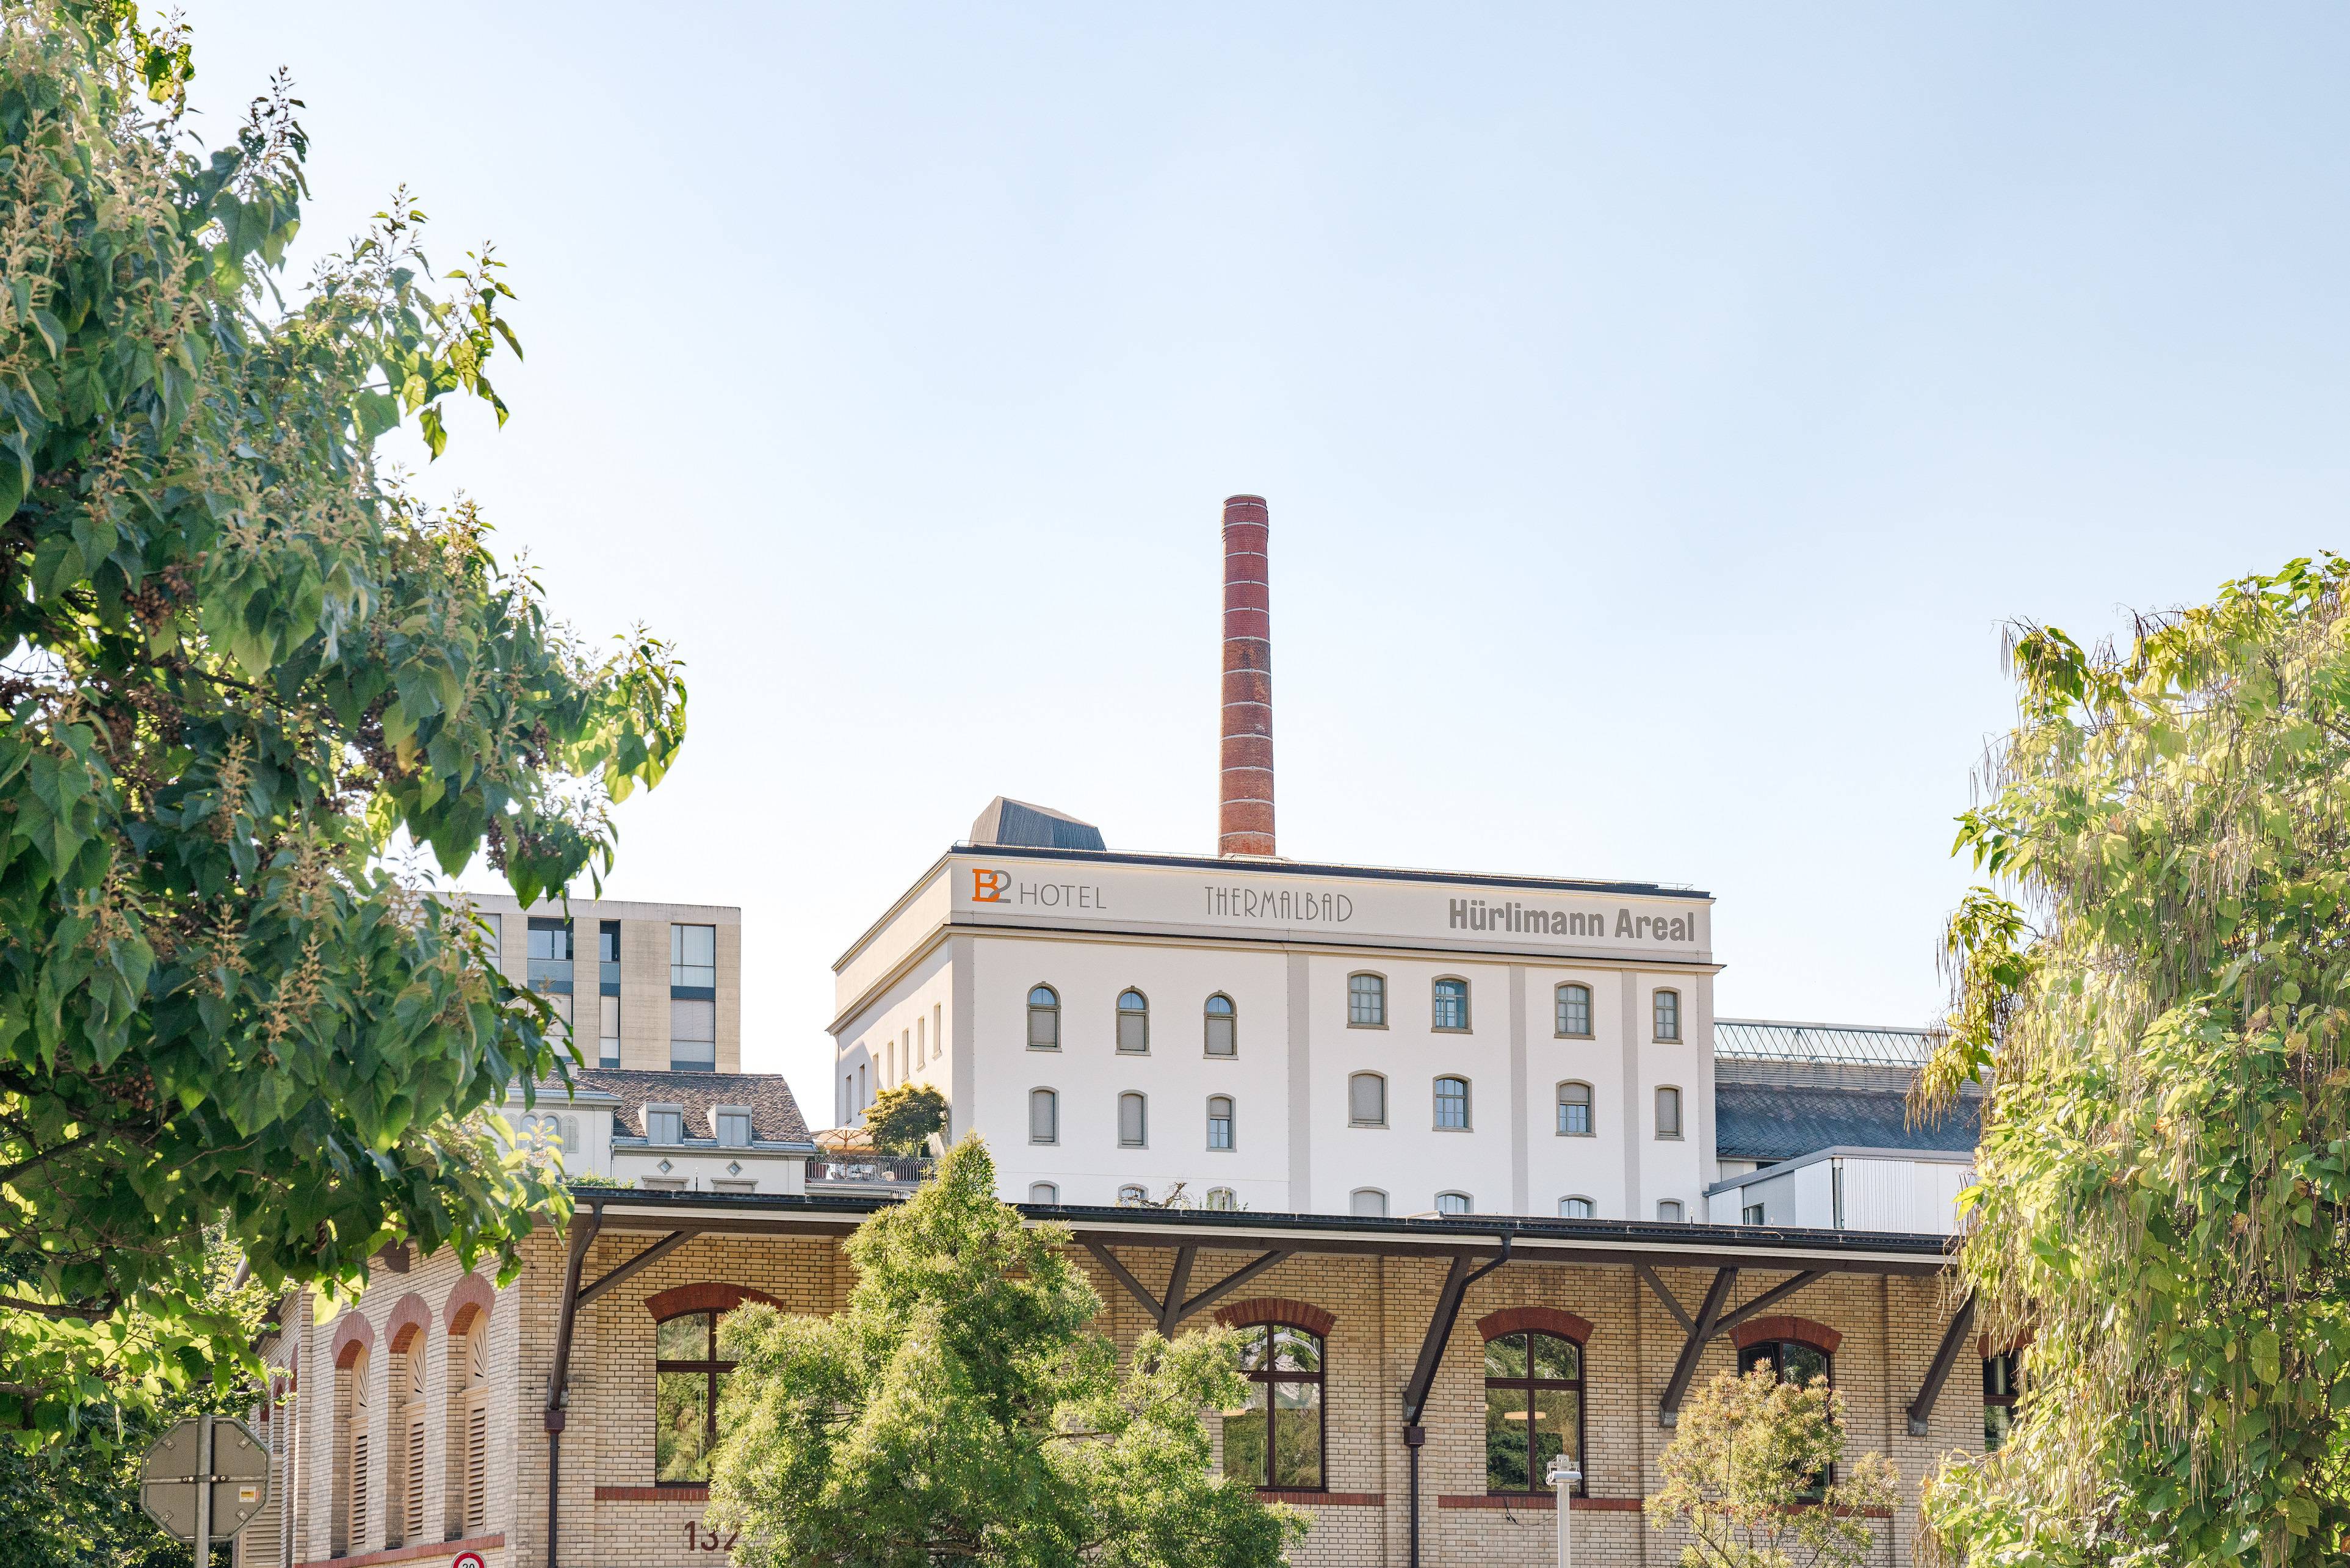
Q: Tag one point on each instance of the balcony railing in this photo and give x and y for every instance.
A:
(871, 1170)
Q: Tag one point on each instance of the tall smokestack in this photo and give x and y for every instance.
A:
(1244, 820)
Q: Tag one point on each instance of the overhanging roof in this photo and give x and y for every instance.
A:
(1530, 1240)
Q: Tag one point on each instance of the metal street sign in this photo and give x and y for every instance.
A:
(205, 1475)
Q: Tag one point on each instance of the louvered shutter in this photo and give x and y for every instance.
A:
(477, 1465)
(412, 1527)
(359, 1525)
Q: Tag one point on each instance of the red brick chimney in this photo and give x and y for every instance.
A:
(1244, 820)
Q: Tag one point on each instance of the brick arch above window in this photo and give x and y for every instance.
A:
(1539, 1319)
(1802, 1330)
(469, 1296)
(353, 1333)
(409, 1315)
(705, 1297)
(1258, 1310)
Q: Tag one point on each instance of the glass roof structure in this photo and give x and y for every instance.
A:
(1859, 1044)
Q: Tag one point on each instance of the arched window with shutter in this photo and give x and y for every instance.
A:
(1220, 1121)
(1575, 1110)
(1133, 1022)
(404, 1472)
(349, 1532)
(1223, 1027)
(1367, 1100)
(468, 1468)
(1133, 1121)
(1044, 1116)
(1044, 1019)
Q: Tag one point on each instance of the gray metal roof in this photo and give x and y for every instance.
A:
(1006, 821)
(1876, 1044)
(1770, 1122)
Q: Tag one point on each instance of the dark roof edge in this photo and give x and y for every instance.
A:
(1843, 1151)
(1469, 1231)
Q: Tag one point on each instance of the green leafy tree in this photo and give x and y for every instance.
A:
(901, 1120)
(963, 1410)
(1744, 1474)
(243, 661)
(2156, 993)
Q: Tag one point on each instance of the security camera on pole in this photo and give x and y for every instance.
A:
(1564, 1477)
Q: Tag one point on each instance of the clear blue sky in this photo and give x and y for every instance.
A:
(1660, 408)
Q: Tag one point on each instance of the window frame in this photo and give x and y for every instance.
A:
(2012, 1362)
(1142, 1117)
(1590, 1210)
(1656, 1021)
(1053, 1097)
(1680, 1114)
(1120, 1012)
(1222, 1200)
(1679, 1215)
(1230, 1019)
(1579, 1385)
(1230, 1120)
(721, 1114)
(1268, 1373)
(1436, 1105)
(1560, 1104)
(1467, 1203)
(1050, 1009)
(712, 1369)
(1377, 1193)
(1380, 1079)
(1558, 1011)
(1380, 989)
(1133, 1192)
(1436, 1005)
(664, 1109)
(1051, 1189)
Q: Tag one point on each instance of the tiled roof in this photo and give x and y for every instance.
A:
(774, 1115)
(1768, 1039)
(1758, 1122)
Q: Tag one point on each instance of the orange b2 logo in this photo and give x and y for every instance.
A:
(987, 886)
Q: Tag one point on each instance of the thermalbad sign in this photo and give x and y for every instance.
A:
(1369, 909)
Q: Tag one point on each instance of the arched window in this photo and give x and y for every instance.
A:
(1220, 1121)
(2003, 1387)
(469, 1424)
(1574, 1011)
(1134, 1193)
(404, 1519)
(1044, 1116)
(1669, 1211)
(1276, 1439)
(1451, 1104)
(1453, 1203)
(351, 1457)
(1668, 1014)
(1575, 1110)
(1367, 1001)
(687, 1377)
(1133, 1121)
(1222, 1200)
(1044, 1192)
(1533, 1409)
(1795, 1360)
(1044, 1019)
(1668, 1112)
(1575, 1208)
(1222, 1027)
(1367, 1100)
(1452, 999)
(1133, 1022)
(1367, 1203)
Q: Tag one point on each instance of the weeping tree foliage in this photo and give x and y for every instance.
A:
(240, 660)
(965, 1411)
(2156, 993)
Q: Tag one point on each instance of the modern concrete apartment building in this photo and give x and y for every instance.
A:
(646, 987)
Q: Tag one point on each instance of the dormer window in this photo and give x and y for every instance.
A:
(664, 1124)
(734, 1123)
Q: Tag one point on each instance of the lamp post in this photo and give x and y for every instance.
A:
(1563, 1475)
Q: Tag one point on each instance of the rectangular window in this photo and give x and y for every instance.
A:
(734, 1129)
(2003, 1383)
(1575, 1110)
(550, 956)
(1669, 1016)
(665, 1124)
(494, 938)
(1670, 1211)
(1574, 1011)
(1668, 1113)
(693, 957)
(1452, 999)
(692, 1035)
(922, 1043)
(1367, 1001)
(607, 1037)
(1220, 1121)
(1752, 1214)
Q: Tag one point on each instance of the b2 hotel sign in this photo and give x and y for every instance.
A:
(1272, 904)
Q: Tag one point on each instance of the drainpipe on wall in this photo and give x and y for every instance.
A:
(558, 1380)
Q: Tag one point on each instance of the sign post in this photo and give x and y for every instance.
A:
(203, 1481)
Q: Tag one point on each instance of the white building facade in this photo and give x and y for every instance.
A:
(1288, 1037)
